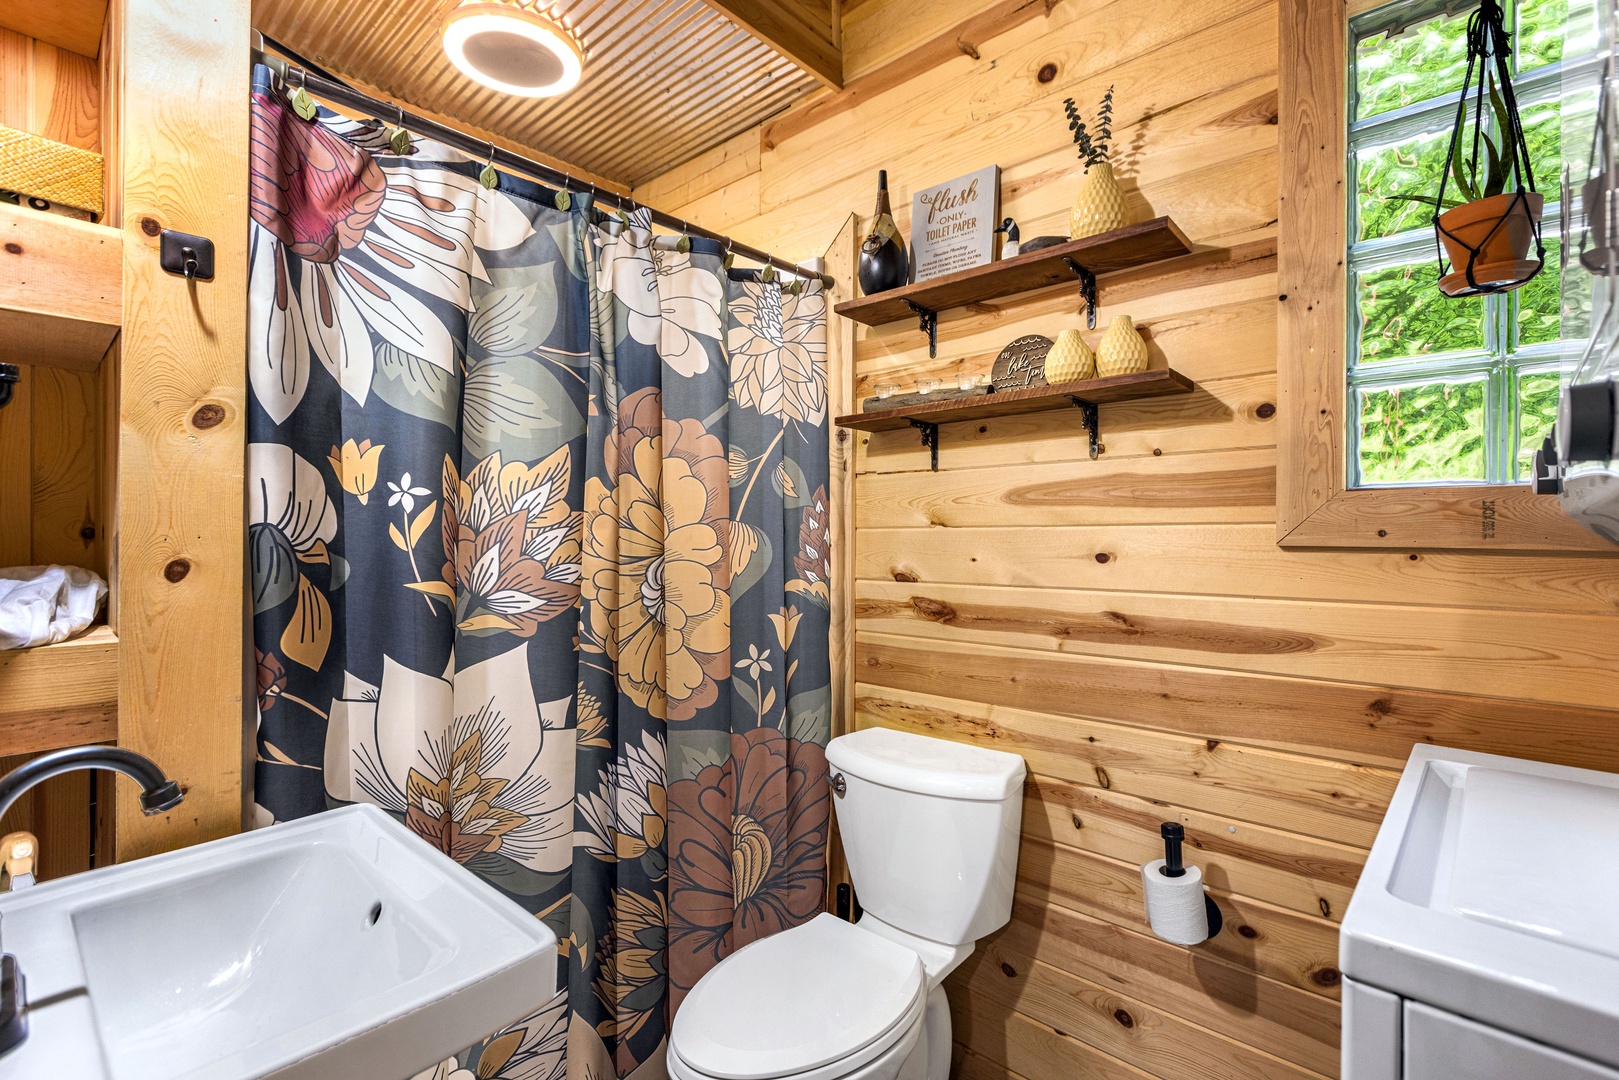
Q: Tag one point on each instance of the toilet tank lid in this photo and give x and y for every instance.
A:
(899, 759)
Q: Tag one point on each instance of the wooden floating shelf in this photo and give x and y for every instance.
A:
(74, 25)
(1080, 261)
(1085, 395)
(61, 289)
(59, 695)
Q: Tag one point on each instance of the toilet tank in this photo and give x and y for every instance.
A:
(930, 830)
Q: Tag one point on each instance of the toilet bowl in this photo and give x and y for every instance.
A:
(823, 1001)
(929, 828)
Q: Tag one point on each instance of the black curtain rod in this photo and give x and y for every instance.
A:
(341, 93)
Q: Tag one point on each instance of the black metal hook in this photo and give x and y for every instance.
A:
(192, 257)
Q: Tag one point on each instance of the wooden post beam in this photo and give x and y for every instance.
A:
(788, 28)
(184, 158)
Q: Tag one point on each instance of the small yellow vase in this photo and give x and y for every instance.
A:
(1099, 207)
(1070, 359)
(1122, 351)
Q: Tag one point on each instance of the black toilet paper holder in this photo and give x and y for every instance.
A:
(1174, 834)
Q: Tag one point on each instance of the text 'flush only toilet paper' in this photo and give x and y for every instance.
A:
(1175, 906)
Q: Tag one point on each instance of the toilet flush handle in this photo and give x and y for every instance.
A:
(839, 786)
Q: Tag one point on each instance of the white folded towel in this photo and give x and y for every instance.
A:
(42, 604)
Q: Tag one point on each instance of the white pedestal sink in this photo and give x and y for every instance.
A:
(340, 945)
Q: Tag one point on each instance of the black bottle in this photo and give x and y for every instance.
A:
(883, 264)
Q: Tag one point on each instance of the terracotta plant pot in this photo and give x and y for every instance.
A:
(1504, 255)
(1099, 207)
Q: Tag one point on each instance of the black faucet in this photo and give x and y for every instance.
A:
(158, 793)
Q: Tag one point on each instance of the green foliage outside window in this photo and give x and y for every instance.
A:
(1446, 390)
(1433, 432)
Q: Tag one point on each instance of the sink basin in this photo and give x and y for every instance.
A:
(338, 945)
(1490, 892)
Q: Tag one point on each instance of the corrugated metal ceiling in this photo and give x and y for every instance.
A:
(665, 80)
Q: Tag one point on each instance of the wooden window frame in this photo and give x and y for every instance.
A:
(1314, 506)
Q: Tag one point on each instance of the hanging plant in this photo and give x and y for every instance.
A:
(1487, 211)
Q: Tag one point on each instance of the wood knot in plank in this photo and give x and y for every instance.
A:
(935, 610)
(177, 569)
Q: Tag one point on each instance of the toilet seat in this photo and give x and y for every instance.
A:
(817, 1002)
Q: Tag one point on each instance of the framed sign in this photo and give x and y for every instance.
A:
(953, 224)
(1022, 364)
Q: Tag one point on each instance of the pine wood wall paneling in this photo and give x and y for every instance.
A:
(53, 475)
(16, 475)
(1315, 795)
(51, 434)
(1264, 698)
(181, 506)
(1275, 865)
(1568, 659)
(68, 468)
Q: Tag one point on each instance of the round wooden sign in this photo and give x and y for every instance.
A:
(1022, 363)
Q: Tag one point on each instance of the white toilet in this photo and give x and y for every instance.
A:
(930, 829)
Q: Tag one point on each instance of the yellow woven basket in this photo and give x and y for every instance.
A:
(56, 172)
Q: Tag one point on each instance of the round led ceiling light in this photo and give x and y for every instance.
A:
(516, 48)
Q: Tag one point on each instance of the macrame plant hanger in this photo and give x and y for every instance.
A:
(1488, 42)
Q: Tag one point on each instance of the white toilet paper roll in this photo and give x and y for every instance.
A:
(1175, 905)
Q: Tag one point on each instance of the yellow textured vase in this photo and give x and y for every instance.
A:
(1122, 352)
(1070, 359)
(1099, 207)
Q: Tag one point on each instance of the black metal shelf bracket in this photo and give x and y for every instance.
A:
(1089, 417)
(930, 439)
(1087, 290)
(928, 323)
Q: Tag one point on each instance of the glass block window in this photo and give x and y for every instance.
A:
(1448, 391)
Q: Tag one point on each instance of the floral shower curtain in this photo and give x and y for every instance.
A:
(539, 554)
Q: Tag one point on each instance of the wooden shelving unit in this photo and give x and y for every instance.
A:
(1085, 395)
(1078, 261)
(61, 289)
(60, 695)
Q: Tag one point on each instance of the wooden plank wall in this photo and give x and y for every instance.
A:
(1128, 624)
(53, 506)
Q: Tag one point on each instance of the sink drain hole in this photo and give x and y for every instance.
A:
(376, 913)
